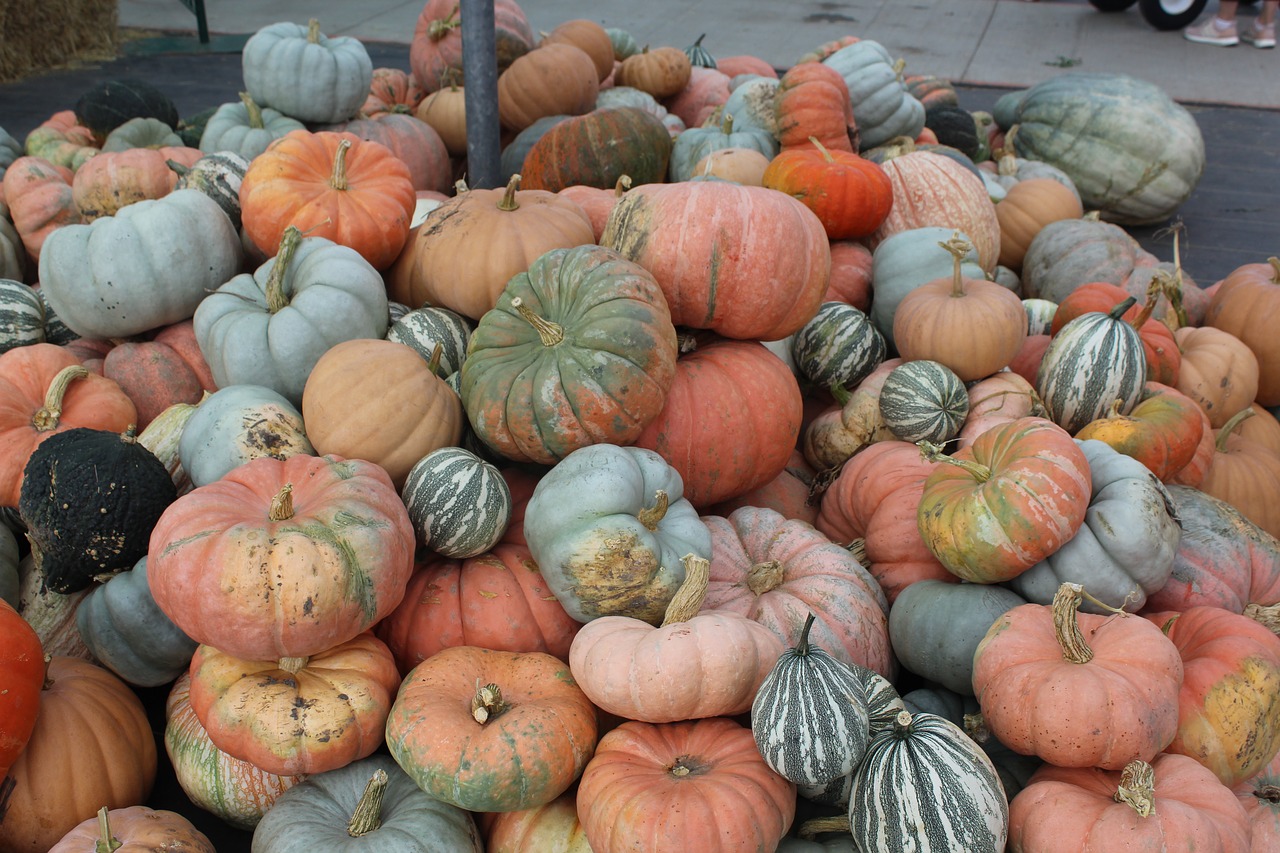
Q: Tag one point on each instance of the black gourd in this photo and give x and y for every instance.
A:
(90, 499)
(113, 102)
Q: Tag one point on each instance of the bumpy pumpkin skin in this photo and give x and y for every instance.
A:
(335, 561)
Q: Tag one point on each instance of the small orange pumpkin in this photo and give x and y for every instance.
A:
(1218, 371)
(1246, 475)
(590, 37)
(1027, 207)
(662, 72)
(850, 195)
(1162, 431)
(812, 103)
(554, 79)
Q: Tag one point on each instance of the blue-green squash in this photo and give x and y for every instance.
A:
(422, 328)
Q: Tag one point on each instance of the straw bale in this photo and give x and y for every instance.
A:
(36, 35)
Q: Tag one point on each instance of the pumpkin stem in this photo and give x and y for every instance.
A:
(48, 682)
(293, 666)
(282, 504)
(276, 297)
(623, 184)
(975, 726)
(841, 394)
(1266, 616)
(1137, 788)
(726, 126)
(1066, 603)
(813, 827)
(1220, 443)
(460, 186)
(651, 515)
(550, 333)
(1270, 793)
(1122, 306)
(440, 28)
(1007, 166)
(437, 353)
(933, 453)
(130, 434)
(1114, 411)
(254, 111)
(1155, 287)
(687, 601)
(858, 550)
(821, 482)
(47, 417)
(508, 201)
(313, 31)
(179, 169)
(765, 577)
(902, 722)
(899, 66)
(1275, 269)
(106, 842)
(487, 703)
(679, 769)
(822, 149)
(367, 816)
(802, 645)
(338, 180)
(958, 247)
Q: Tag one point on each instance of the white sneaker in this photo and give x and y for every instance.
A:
(1260, 36)
(1209, 33)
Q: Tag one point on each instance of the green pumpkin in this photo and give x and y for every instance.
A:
(924, 400)
(1039, 315)
(238, 424)
(306, 75)
(882, 106)
(955, 126)
(147, 266)
(1126, 547)
(935, 627)
(459, 504)
(245, 128)
(925, 785)
(191, 127)
(1133, 152)
(597, 149)
(89, 500)
(423, 328)
(697, 142)
(608, 527)
(219, 177)
(839, 346)
(142, 133)
(347, 810)
(111, 103)
(131, 636)
(13, 254)
(270, 328)
(8, 567)
(904, 261)
(21, 315)
(698, 55)
(624, 43)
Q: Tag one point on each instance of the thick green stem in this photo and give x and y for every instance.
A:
(106, 842)
(367, 816)
(276, 297)
(255, 111)
(933, 453)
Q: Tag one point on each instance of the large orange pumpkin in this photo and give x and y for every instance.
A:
(1245, 474)
(696, 785)
(22, 674)
(557, 78)
(851, 196)
(334, 185)
(1218, 371)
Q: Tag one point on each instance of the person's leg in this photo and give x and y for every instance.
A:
(1263, 31)
(1218, 30)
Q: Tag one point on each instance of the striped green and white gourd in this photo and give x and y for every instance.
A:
(459, 504)
(809, 717)
(925, 786)
(395, 310)
(1039, 315)
(422, 328)
(924, 400)
(21, 315)
(1093, 361)
(55, 331)
(839, 346)
(217, 175)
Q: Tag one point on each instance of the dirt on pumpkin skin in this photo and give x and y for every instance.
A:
(615, 575)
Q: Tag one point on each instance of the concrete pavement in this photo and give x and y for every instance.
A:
(992, 42)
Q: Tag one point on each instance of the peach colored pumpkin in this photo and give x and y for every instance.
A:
(1247, 304)
(739, 165)
(1260, 797)
(553, 79)
(706, 91)
(40, 199)
(1246, 475)
(850, 280)
(445, 112)
(596, 203)
(1218, 371)
(114, 179)
(135, 829)
(590, 37)
(1000, 398)
(1027, 207)
(157, 373)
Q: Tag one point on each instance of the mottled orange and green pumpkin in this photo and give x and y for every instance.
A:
(1162, 432)
(597, 149)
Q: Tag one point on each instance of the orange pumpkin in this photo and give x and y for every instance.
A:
(43, 391)
(739, 165)
(445, 112)
(1194, 472)
(296, 715)
(157, 373)
(662, 72)
(1002, 397)
(436, 48)
(22, 673)
(811, 106)
(1246, 475)
(391, 90)
(379, 401)
(786, 494)
(469, 247)
(1260, 797)
(850, 195)
(693, 785)
(1263, 428)
(1076, 689)
(850, 280)
(1162, 431)
(413, 141)
(115, 179)
(590, 37)
(554, 828)
(40, 200)
(701, 97)
(492, 731)
(92, 730)
(558, 78)
(1218, 371)
(1027, 207)
(135, 829)
(354, 192)
(596, 203)
(1247, 304)
(282, 558)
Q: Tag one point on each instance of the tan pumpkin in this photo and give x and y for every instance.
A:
(740, 165)
(590, 37)
(445, 110)
(1027, 207)
(1246, 475)
(661, 72)
(114, 179)
(554, 79)
(379, 401)
(1247, 304)
(1218, 371)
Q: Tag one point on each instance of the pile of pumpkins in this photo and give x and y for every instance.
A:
(776, 462)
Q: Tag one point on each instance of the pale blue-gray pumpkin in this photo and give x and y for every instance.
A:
(306, 75)
(1126, 547)
(923, 400)
(459, 504)
(235, 425)
(368, 805)
(1094, 361)
(839, 346)
(21, 315)
(882, 105)
(925, 786)
(751, 103)
(697, 142)
(147, 266)
(809, 717)
(142, 133)
(131, 636)
(608, 527)
(245, 128)
(270, 328)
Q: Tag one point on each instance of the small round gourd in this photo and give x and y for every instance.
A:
(422, 328)
(924, 401)
(217, 175)
(809, 717)
(839, 346)
(21, 315)
(89, 499)
(459, 504)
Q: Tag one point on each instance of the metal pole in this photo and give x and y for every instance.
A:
(480, 94)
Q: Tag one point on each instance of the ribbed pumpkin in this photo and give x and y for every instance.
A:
(809, 717)
(1162, 431)
(135, 829)
(1260, 797)
(851, 196)
(882, 106)
(555, 78)
(1091, 362)
(305, 74)
(909, 260)
(1041, 671)
(1246, 304)
(597, 149)
(445, 112)
(923, 401)
(727, 382)
(812, 103)
(1027, 207)
(691, 785)
(412, 140)
(1164, 359)
(526, 391)
(436, 47)
(1218, 371)
(423, 328)
(113, 180)
(590, 37)
(738, 164)
(1245, 474)
(696, 142)
(391, 90)
(468, 248)
(746, 262)
(662, 72)
(459, 504)
(245, 128)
